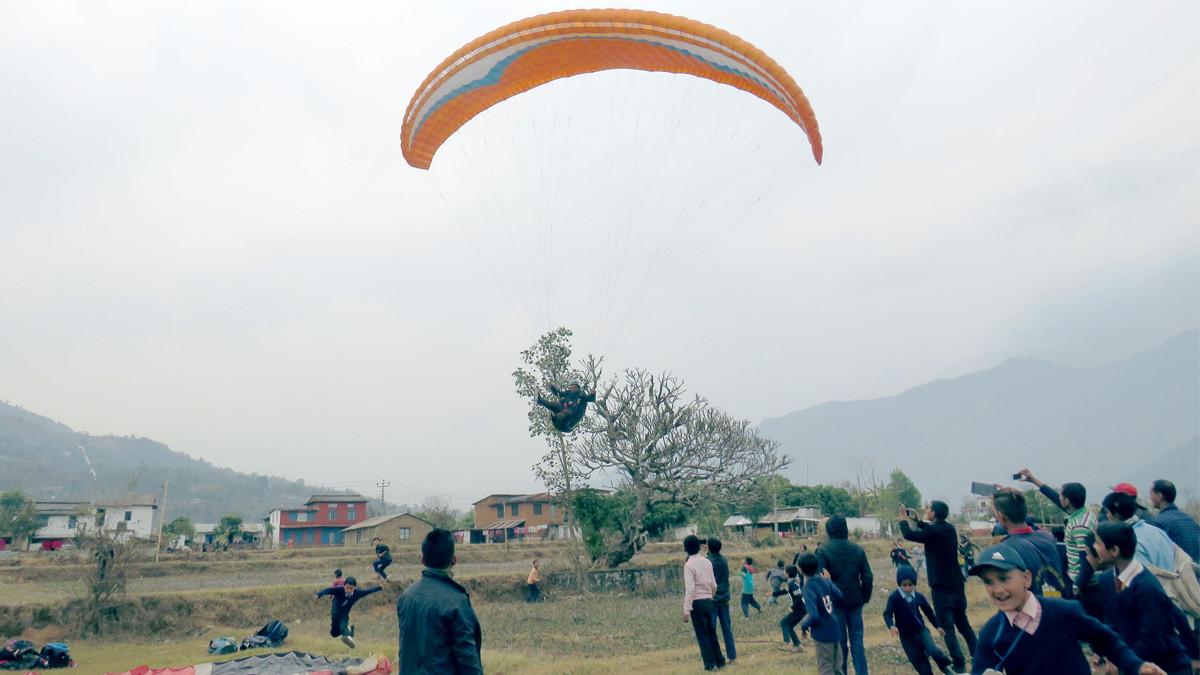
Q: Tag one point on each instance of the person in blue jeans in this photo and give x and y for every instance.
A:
(721, 598)
(851, 573)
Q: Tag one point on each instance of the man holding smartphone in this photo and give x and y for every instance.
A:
(945, 580)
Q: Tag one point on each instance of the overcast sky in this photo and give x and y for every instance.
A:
(209, 237)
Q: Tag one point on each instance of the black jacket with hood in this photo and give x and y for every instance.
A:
(847, 564)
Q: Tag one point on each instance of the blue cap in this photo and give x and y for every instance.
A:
(1000, 556)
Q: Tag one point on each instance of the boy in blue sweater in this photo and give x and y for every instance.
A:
(903, 618)
(344, 597)
(819, 622)
(1134, 602)
(1033, 635)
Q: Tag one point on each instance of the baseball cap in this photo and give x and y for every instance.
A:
(1000, 556)
(1127, 488)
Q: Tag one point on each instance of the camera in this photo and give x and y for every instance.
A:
(1016, 476)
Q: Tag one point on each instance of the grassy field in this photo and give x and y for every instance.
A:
(185, 601)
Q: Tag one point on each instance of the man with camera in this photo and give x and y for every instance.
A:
(945, 580)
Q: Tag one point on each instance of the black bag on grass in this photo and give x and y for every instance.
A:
(55, 655)
(255, 642)
(17, 650)
(274, 631)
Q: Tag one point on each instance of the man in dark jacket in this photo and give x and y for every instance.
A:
(851, 573)
(720, 599)
(439, 633)
(945, 578)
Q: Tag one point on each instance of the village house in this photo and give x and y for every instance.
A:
(509, 517)
(793, 521)
(400, 528)
(319, 522)
(59, 522)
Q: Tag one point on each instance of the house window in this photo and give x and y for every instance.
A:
(499, 510)
(513, 509)
(332, 516)
(128, 516)
(404, 534)
(351, 514)
(537, 509)
(72, 522)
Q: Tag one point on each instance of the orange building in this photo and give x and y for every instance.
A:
(508, 517)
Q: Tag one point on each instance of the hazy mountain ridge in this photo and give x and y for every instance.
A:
(49, 461)
(1093, 425)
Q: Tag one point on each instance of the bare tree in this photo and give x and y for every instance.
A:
(438, 511)
(864, 485)
(664, 447)
(103, 580)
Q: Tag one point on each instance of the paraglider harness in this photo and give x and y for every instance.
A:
(568, 412)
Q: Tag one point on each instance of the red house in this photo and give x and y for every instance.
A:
(319, 522)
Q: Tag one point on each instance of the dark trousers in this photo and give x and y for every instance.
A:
(706, 634)
(748, 601)
(721, 618)
(380, 565)
(338, 625)
(788, 623)
(950, 607)
(535, 593)
(919, 649)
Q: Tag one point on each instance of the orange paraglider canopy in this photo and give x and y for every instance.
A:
(530, 52)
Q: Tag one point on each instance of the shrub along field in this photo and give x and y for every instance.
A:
(173, 608)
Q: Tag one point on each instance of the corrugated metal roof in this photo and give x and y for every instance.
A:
(505, 524)
(380, 520)
(736, 521)
(336, 498)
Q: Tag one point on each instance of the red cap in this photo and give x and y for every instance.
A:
(1126, 488)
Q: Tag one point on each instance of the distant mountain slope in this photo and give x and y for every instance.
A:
(1095, 425)
(47, 460)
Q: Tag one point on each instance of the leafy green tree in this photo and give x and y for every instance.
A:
(467, 521)
(832, 499)
(230, 528)
(18, 517)
(900, 490)
(180, 527)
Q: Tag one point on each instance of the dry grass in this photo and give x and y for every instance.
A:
(189, 600)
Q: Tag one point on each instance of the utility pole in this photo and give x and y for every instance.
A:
(162, 515)
(382, 485)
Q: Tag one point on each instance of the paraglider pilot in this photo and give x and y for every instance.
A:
(568, 411)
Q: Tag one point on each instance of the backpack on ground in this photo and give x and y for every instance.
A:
(55, 655)
(17, 650)
(256, 642)
(222, 645)
(274, 631)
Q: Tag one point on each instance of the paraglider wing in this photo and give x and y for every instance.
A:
(530, 52)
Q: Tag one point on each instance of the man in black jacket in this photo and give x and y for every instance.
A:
(720, 599)
(945, 578)
(439, 633)
(851, 573)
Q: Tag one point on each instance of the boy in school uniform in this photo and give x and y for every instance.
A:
(1033, 635)
(795, 589)
(903, 618)
(1134, 602)
(819, 622)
